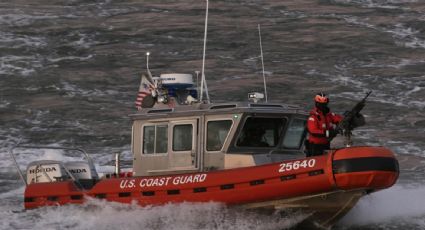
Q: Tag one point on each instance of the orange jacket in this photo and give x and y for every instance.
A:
(318, 123)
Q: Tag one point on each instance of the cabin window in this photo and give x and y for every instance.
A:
(260, 132)
(216, 134)
(155, 139)
(295, 134)
(182, 137)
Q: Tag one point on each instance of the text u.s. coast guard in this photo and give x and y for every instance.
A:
(163, 181)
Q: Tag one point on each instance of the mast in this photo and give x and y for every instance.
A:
(147, 61)
(203, 80)
(262, 62)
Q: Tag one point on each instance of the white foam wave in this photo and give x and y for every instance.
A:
(37, 117)
(97, 214)
(383, 4)
(252, 62)
(4, 103)
(21, 65)
(410, 148)
(399, 91)
(82, 40)
(371, 137)
(391, 204)
(404, 36)
(13, 193)
(9, 40)
(73, 90)
(407, 36)
(26, 155)
(339, 78)
(414, 90)
(396, 64)
(235, 77)
(116, 11)
(266, 73)
(53, 154)
(53, 60)
(20, 18)
(357, 21)
(293, 14)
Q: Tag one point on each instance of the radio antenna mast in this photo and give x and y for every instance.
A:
(147, 61)
(203, 80)
(262, 61)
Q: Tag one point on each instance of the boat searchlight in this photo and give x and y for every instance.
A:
(255, 97)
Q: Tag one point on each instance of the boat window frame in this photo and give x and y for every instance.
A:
(142, 136)
(248, 149)
(171, 136)
(225, 139)
(303, 137)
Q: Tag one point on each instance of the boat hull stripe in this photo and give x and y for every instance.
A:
(365, 164)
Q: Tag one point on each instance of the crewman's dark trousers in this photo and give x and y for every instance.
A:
(316, 149)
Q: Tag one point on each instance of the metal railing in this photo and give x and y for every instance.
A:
(19, 146)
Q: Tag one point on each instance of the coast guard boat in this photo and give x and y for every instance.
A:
(245, 154)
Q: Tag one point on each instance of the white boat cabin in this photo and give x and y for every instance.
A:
(207, 137)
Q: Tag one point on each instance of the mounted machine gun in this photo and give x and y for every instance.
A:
(352, 119)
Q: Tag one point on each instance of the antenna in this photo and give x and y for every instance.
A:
(147, 61)
(203, 81)
(149, 77)
(262, 61)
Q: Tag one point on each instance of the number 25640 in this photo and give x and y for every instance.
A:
(284, 167)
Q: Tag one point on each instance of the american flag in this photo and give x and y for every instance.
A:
(144, 90)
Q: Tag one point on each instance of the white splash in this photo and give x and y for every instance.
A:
(384, 206)
(97, 214)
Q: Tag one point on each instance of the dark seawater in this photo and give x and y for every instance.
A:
(69, 72)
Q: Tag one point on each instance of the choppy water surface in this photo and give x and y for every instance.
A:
(69, 74)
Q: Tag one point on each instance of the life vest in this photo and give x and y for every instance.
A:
(318, 124)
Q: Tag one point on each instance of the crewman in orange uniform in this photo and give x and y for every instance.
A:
(321, 126)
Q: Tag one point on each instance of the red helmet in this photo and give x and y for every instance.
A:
(321, 98)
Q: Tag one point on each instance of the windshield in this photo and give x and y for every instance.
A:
(295, 134)
(260, 132)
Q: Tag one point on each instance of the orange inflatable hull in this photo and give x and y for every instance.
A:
(367, 168)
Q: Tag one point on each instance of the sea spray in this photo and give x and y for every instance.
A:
(398, 203)
(98, 214)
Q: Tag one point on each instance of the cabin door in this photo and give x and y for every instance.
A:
(184, 142)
